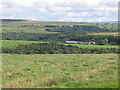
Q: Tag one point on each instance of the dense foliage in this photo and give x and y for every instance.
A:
(26, 36)
(51, 48)
(76, 28)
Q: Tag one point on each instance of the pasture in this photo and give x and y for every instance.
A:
(60, 71)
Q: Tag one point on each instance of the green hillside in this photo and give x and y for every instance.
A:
(38, 26)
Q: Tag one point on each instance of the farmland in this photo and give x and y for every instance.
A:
(35, 55)
(60, 71)
(59, 31)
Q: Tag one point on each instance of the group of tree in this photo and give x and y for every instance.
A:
(76, 28)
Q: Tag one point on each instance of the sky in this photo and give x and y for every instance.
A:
(60, 10)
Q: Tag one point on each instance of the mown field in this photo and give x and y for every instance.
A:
(60, 71)
(15, 43)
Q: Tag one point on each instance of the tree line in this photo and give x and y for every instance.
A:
(76, 28)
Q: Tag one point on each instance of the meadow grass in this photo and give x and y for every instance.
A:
(60, 71)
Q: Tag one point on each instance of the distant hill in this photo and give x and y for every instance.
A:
(13, 20)
(110, 22)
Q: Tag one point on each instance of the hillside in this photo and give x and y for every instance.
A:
(16, 25)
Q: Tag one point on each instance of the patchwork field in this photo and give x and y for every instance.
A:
(60, 71)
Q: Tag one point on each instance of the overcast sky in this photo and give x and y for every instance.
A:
(60, 10)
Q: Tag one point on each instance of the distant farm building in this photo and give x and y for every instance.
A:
(72, 42)
(87, 43)
(75, 42)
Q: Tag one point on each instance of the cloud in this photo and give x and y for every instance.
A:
(42, 10)
(60, 10)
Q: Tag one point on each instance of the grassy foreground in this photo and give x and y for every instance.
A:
(60, 71)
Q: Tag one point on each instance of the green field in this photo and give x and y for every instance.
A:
(15, 43)
(60, 71)
(113, 33)
(92, 46)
